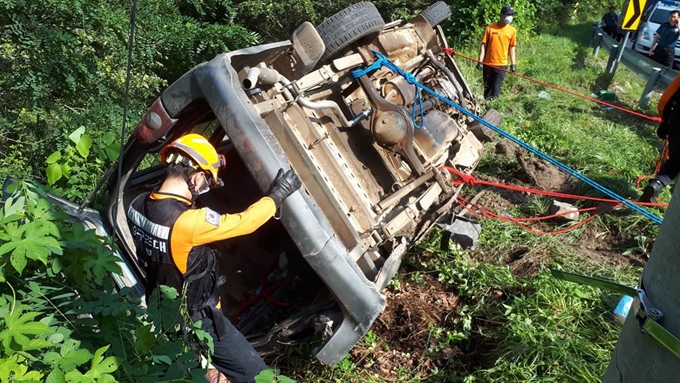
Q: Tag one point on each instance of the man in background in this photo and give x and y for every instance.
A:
(498, 44)
(665, 39)
(609, 21)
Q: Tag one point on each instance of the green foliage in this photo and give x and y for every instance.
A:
(270, 376)
(276, 21)
(62, 66)
(469, 18)
(73, 171)
(62, 319)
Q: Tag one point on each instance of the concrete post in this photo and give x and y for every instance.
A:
(597, 42)
(649, 87)
(637, 357)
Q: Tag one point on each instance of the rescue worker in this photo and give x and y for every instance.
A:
(498, 44)
(669, 110)
(173, 240)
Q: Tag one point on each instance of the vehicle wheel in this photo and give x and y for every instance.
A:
(436, 13)
(352, 24)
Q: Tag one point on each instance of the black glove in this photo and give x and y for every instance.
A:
(513, 68)
(480, 66)
(283, 185)
(662, 130)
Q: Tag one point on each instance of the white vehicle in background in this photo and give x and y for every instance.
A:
(658, 14)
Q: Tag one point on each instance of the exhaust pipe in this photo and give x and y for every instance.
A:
(262, 76)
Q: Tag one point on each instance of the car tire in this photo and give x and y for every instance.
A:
(357, 22)
(436, 13)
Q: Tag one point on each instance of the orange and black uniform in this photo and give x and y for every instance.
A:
(498, 40)
(669, 110)
(172, 241)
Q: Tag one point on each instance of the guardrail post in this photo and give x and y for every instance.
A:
(597, 41)
(649, 87)
(612, 58)
(593, 33)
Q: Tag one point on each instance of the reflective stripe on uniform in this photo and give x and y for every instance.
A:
(158, 231)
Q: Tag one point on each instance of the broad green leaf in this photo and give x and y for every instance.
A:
(18, 261)
(112, 151)
(162, 359)
(168, 292)
(13, 187)
(65, 170)
(14, 205)
(101, 365)
(7, 247)
(56, 265)
(56, 376)
(19, 326)
(109, 138)
(10, 367)
(75, 376)
(75, 136)
(37, 344)
(266, 376)
(53, 173)
(144, 338)
(84, 144)
(70, 356)
(99, 266)
(54, 157)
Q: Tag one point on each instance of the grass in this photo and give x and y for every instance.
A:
(534, 328)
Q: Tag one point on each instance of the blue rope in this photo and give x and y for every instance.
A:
(383, 61)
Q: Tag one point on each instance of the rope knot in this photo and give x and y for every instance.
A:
(410, 78)
(468, 178)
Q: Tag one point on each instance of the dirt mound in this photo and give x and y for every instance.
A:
(536, 172)
(412, 309)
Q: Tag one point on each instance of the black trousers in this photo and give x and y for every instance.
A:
(493, 79)
(671, 167)
(610, 30)
(664, 56)
(234, 356)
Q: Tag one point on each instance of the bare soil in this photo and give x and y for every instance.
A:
(412, 309)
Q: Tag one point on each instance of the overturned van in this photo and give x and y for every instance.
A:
(369, 165)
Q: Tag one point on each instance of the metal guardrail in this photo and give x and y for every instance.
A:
(658, 77)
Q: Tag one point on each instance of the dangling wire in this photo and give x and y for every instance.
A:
(131, 38)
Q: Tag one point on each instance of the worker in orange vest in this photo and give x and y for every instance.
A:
(669, 110)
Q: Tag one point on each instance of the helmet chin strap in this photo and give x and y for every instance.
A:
(192, 188)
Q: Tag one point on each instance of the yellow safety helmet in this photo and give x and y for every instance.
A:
(201, 154)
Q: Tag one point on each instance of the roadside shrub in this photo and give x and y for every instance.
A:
(62, 319)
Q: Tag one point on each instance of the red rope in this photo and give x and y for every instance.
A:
(259, 296)
(472, 181)
(650, 118)
(478, 210)
(518, 221)
(663, 156)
